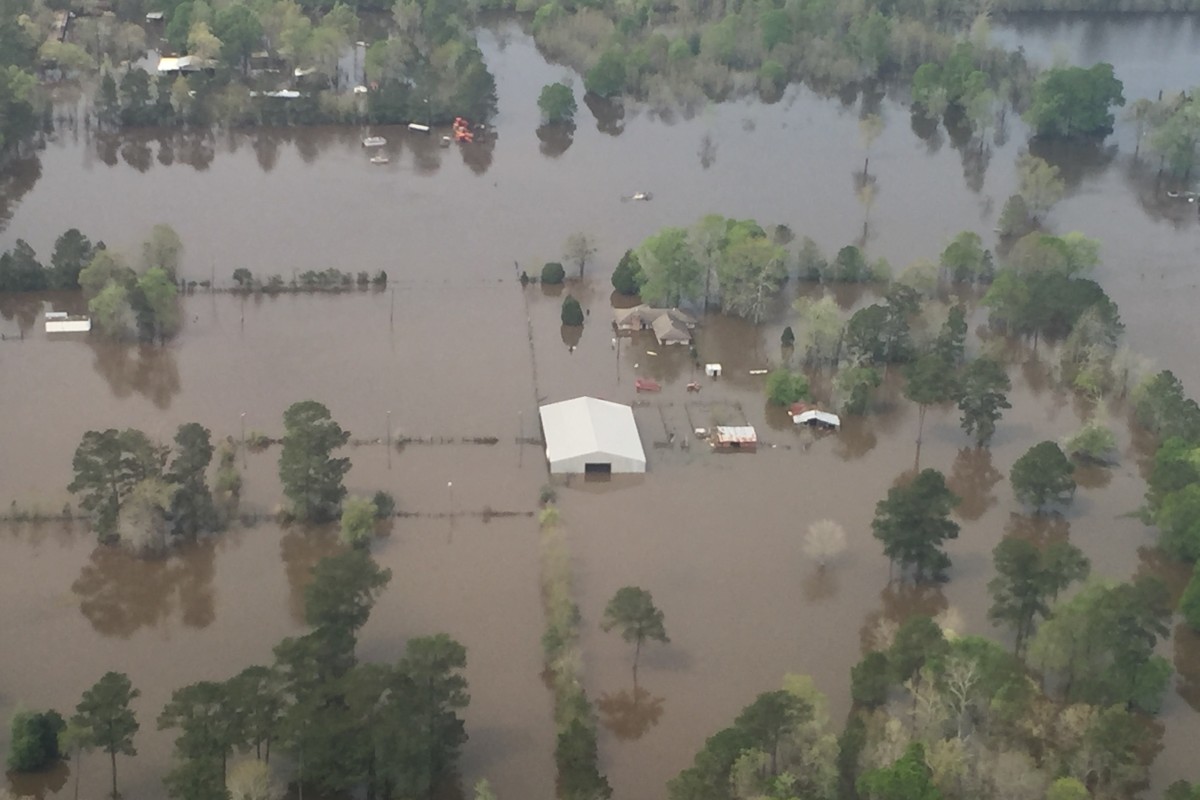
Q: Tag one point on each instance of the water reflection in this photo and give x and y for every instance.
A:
(629, 715)
(120, 593)
(1076, 161)
(972, 478)
(301, 549)
(16, 179)
(609, 114)
(39, 785)
(1187, 663)
(1038, 529)
(145, 369)
(554, 140)
(820, 585)
(22, 308)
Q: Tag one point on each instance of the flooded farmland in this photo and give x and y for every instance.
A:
(455, 349)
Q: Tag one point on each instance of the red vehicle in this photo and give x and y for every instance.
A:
(647, 385)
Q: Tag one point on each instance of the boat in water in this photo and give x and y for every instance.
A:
(374, 141)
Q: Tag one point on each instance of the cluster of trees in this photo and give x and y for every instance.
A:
(429, 69)
(1173, 125)
(1173, 486)
(391, 730)
(1074, 102)
(945, 717)
(148, 497)
(124, 302)
(20, 270)
(708, 50)
(20, 105)
(735, 264)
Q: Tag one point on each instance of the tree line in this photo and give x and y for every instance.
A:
(387, 730)
(148, 497)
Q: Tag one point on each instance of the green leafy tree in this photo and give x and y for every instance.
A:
(1015, 218)
(982, 397)
(358, 522)
(311, 476)
(1027, 581)
(770, 718)
(158, 304)
(112, 311)
(1098, 646)
(751, 272)
(1094, 442)
(672, 272)
(909, 778)
(105, 267)
(632, 611)
(1071, 102)
(108, 465)
(343, 590)
(1039, 185)
(34, 740)
(1043, 475)
(240, 32)
(1067, 789)
(553, 273)
(914, 521)
(927, 381)
(870, 680)
(192, 509)
(785, 387)
(918, 642)
(854, 386)
(557, 104)
(256, 696)
(209, 729)
(576, 755)
(72, 252)
(572, 312)
(627, 278)
(105, 714)
(607, 77)
(1161, 405)
(164, 249)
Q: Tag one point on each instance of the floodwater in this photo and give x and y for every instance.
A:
(456, 349)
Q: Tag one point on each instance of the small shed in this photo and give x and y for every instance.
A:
(587, 435)
(712, 370)
(735, 437)
(668, 331)
(818, 419)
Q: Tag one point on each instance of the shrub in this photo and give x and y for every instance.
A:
(788, 338)
(385, 504)
(869, 680)
(785, 387)
(34, 740)
(553, 273)
(572, 312)
(358, 521)
(1093, 442)
(557, 103)
(547, 495)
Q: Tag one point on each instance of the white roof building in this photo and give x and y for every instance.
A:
(587, 435)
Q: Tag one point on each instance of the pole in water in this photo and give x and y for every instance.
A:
(392, 313)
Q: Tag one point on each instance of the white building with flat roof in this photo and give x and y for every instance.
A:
(587, 435)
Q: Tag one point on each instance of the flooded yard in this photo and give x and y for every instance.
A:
(455, 349)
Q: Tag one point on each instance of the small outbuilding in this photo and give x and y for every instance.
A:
(735, 437)
(588, 435)
(818, 419)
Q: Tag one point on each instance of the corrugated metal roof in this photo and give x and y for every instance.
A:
(736, 433)
(820, 416)
(588, 425)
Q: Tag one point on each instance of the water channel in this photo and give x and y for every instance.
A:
(445, 352)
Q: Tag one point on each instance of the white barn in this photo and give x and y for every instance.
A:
(587, 435)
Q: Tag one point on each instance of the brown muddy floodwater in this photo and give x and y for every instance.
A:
(448, 354)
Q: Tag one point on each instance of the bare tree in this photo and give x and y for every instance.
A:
(579, 248)
(824, 541)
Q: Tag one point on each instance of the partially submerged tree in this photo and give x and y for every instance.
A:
(1042, 476)
(579, 249)
(982, 398)
(824, 541)
(914, 521)
(105, 714)
(311, 476)
(633, 612)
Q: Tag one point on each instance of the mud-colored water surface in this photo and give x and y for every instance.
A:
(455, 349)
